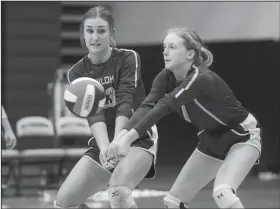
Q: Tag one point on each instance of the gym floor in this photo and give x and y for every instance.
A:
(253, 194)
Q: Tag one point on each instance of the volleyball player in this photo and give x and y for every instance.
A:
(118, 70)
(229, 136)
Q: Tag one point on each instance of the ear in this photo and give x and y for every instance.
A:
(191, 54)
(114, 31)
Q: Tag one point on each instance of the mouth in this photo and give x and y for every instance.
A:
(95, 45)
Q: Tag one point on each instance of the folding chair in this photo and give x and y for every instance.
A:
(9, 171)
(73, 134)
(36, 142)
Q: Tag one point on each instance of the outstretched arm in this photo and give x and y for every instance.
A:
(126, 90)
(189, 89)
(9, 135)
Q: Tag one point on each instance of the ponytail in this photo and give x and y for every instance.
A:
(206, 57)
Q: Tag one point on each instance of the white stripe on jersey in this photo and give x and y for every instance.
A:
(189, 83)
(71, 69)
(217, 119)
(209, 113)
(136, 64)
(185, 113)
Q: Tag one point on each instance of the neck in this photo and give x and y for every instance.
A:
(181, 73)
(100, 57)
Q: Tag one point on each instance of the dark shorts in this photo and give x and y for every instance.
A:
(217, 145)
(144, 143)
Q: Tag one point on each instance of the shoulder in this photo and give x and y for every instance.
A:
(78, 66)
(76, 70)
(202, 73)
(203, 78)
(162, 75)
(128, 55)
(164, 72)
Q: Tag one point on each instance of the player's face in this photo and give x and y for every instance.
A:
(96, 34)
(175, 52)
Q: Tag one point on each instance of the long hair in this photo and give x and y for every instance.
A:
(105, 14)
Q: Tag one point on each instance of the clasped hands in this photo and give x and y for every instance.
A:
(117, 149)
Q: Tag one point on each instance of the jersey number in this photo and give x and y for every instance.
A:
(110, 97)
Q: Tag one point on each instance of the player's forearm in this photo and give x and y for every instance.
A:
(132, 136)
(6, 125)
(99, 131)
(121, 121)
(153, 116)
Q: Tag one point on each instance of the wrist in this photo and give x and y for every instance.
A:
(104, 147)
(133, 135)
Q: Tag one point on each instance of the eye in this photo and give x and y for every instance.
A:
(89, 30)
(172, 46)
(101, 31)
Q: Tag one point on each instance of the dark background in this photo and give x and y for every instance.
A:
(31, 53)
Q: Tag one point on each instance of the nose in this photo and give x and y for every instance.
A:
(94, 36)
(165, 52)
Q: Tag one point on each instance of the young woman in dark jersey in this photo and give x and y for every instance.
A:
(118, 70)
(229, 136)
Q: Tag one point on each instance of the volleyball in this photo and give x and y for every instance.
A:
(84, 97)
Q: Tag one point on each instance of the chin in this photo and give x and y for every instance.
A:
(169, 67)
(95, 50)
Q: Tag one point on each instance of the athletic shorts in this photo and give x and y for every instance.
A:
(217, 145)
(148, 143)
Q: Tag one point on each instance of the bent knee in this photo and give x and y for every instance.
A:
(64, 200)
(121, 197)
(225, 196)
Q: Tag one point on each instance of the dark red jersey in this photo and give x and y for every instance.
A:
(121, 78)
(202, 98)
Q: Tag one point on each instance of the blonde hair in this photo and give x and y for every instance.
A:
(193, 42)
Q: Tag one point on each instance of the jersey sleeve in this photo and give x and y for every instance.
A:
(157, 92)
(189, 89)
(73, 73)
(128, 81)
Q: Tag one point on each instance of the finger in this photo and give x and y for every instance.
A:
(113, 162)
(108, 166)
(117, 153)
(121, 156)
(102, 159)
(112, 154)
(14, 144)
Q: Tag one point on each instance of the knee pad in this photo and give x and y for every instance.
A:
(121, 197)
(224, 196)
(173, 202)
